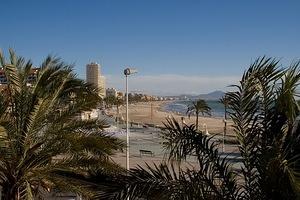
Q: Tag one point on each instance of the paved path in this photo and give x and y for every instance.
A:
(148, 139)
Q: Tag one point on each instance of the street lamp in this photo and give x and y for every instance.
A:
(127, 72)
(224, 100)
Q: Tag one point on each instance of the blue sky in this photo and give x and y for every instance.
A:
(178, 46)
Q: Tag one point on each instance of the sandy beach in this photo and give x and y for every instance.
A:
(152, 113)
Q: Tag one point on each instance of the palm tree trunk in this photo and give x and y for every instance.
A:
(10, 193)
(197, 119)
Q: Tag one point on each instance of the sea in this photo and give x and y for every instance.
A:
(181, 106)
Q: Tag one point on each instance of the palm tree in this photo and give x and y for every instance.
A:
(266, 120)
(197, 107)
(41, 140)
(109, 101)
(224, 101)
(264, 111)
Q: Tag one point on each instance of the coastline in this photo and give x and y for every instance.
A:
(154, 113)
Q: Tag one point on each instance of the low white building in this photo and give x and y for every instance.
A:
(111, 92)
(86, 115)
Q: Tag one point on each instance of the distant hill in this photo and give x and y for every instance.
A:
(215, 95)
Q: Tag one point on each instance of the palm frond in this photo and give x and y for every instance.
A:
(261, 109)
(182, 142)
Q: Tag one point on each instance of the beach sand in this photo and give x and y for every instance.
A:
(152, 113)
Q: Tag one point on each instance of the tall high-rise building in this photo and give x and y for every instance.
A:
(93, 76)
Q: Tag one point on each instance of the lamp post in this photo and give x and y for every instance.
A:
(224, 101)
(127, 72)
(224, 133)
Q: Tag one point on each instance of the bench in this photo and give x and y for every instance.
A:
(146, 152)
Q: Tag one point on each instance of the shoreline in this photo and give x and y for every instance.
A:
(182, 114)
